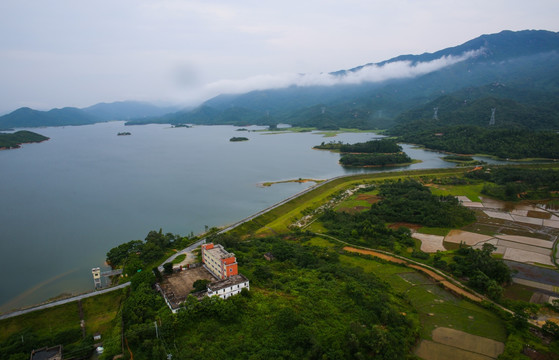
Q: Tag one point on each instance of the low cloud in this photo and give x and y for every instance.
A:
(369, 73)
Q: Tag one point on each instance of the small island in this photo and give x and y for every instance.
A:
(238, 138)
(382, 152)
(125, 133)
(372, 160)
(463, 160)
(182, 126)
(14, 141)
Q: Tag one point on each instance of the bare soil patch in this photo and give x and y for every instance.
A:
(353, 210)
(527, 240)
(375, 254)
(371, 199)
(410, 226)
(538, 214)
(498, 215)
(527, 256)
(430, 350)
(527, 220)
(468, 238)
(551, 223)
(430, 243)
(468, 342)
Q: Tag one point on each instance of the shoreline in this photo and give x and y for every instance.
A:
(226, 228)
(493, 157)
(300, 181)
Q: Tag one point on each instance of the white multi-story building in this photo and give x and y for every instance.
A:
(228, 287)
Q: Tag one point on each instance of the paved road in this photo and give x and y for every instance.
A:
(241, 222)
(160, 267)
(183, 251)
(64, 301)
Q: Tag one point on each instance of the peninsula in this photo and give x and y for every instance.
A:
(14, 140)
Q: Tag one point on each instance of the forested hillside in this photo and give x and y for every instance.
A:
(466, 139)
(524, 63)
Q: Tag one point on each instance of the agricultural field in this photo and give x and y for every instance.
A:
(435, 306)
(450, 343)
(446, 325)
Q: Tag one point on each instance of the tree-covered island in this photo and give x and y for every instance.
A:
(14, 140)
(238, 138)
(383, 152)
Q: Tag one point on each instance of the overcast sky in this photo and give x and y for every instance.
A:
(77, 53)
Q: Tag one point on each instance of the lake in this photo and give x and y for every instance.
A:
(67, 201)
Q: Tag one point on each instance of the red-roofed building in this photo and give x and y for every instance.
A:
(221, 263)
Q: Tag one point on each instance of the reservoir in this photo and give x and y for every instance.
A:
(67, 201)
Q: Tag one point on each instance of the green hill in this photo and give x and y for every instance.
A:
(26, 117)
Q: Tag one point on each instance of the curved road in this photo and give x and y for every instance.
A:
(160, 267)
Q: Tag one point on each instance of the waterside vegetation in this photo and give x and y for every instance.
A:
(381, 152)
(14, 140)
(317, 300)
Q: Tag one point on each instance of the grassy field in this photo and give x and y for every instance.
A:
(318, 241)
(433, 230)
(43, 322)
(358, 201)
(279, 219)
(179, 258)
(99, 312)
(472, 192)
(435, 306)
(519, 292)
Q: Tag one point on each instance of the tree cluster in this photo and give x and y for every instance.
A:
(505, 143)
(485, 273)
(410, 201)
(137, 254)
(401, 201)
(305, 304)
(374, 159)
(514, 183)
(373, 146)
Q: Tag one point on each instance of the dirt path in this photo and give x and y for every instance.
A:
(433, 275)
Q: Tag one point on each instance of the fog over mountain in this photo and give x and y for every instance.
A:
(371, 73)
(373, 95)
(369, 96)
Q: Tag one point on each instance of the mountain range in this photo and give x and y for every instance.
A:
(517, 73)
(121, 110)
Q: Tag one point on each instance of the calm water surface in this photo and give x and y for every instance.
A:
(67, 201)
